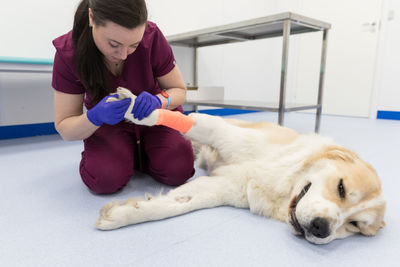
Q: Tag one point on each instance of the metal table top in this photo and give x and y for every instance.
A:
(253, 29)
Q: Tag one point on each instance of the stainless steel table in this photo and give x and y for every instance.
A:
(283, 24)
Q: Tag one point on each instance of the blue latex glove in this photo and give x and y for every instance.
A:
(110, 113)
(145, 103)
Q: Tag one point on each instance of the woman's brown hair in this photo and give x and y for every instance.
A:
(89, 60)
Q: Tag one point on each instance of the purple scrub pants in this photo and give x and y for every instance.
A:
(113, 152)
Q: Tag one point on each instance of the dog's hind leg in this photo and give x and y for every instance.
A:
(203, 192)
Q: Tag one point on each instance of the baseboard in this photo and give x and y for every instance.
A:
(388, 115)
(27, 130)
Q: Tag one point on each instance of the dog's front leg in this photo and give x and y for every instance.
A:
(203, 192)
(206, 128)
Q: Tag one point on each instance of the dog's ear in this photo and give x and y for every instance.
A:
(341, 153)
(371, 228)
(332, 152)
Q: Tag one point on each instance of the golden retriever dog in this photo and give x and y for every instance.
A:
(322, 190)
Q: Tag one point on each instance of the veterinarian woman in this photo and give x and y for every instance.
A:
(112, 44)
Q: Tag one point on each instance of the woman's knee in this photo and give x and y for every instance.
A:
(173, 166)
(107, 159)
(104, 178)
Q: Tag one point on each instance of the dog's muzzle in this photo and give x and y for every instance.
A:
(318, 227)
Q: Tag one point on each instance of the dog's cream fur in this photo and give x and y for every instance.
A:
(265, 167)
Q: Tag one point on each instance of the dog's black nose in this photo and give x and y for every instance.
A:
(319, 227)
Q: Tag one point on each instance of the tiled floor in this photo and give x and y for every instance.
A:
(47, 214)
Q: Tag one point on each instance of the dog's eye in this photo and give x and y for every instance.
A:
(353, 227)
(342, 192)
(354, 223)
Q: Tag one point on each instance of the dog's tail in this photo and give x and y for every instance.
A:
(206, 156)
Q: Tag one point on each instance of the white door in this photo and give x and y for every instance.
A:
(351, 57)
(387, 84)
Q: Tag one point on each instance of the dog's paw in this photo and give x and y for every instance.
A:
(115, 215)
(123, 93)
(150, 120)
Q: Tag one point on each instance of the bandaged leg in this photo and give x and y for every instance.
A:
(174, 120)
(171, 119)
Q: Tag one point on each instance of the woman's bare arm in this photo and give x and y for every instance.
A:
(175, 87)
(69, 119)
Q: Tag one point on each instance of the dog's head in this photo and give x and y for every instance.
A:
(339, 196)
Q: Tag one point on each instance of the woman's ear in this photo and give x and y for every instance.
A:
(90, 17)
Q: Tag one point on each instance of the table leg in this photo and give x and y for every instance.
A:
(195, 67)
(285, 55)
(321, 80)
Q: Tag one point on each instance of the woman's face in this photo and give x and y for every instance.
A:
(114, 41)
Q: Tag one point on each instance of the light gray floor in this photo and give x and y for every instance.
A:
(47, 214)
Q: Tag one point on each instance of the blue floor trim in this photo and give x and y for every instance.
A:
(388, 115)
(223, 111)
(26, 130)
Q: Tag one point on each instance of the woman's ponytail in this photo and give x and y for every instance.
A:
(88, 59)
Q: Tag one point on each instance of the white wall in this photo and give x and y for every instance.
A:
(28, 27)
(27, 30)
(387, 86)
(248, 70)
(25, 98)
(251, 70)
(351, 59)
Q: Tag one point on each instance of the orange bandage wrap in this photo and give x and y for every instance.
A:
(174, 120)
